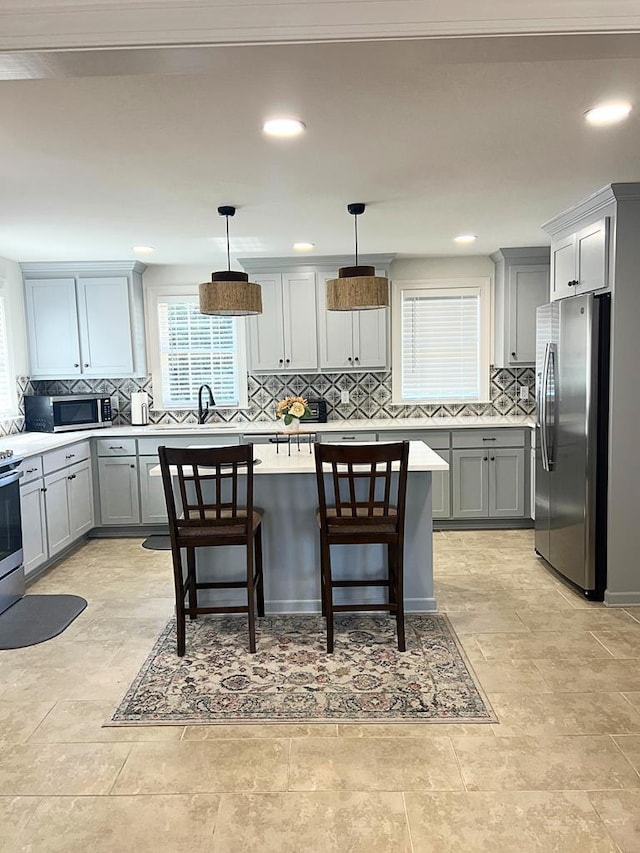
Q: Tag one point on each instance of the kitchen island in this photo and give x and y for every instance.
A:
(285, 488)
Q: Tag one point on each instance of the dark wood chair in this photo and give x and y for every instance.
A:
(362, 495)
(202, 488)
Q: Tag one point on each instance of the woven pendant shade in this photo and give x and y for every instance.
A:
(230, 293)
(357, 289)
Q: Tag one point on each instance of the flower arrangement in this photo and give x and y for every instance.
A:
(292, 407)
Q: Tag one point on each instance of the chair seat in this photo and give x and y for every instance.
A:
(215, 528)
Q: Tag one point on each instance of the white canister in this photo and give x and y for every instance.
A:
(139, 408)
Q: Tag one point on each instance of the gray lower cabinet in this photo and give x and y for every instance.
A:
(119, 496)
(69, 505)
(441, 489)
(489, 483)
(152, 503)
(34, 528)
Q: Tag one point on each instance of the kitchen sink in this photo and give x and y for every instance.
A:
(211, 427)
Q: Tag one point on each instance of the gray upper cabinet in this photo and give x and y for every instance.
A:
(283, 337)
(521, 285)
(84, 320)
(580, 260)
(351, 340)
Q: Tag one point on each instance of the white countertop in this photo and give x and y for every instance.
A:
(32, 443)
(275, 460)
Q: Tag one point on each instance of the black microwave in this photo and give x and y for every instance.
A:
(63, 413)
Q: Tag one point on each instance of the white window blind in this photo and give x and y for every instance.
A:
(196, 349)
(6, 398)
(441, 345)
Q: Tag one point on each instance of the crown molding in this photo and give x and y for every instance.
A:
(67, 24)
(88, 268)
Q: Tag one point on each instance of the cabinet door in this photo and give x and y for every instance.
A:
(440, 489)
(335, 331)
(152, 502)
(105, 326)
(506, 483)
(34, 531)
(266, 335)
(370, 339)
(81, 498)
(563, 267)
(300, 321)
(58, 511)
(119, 502)
(528, 288)
(592, 256)
(52, 323)
(470, 484)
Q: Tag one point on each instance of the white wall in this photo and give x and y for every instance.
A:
(11, 284)
(416, 269)
(175, 274)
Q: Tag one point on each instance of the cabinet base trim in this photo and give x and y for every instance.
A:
(621, 599)
(483, 524)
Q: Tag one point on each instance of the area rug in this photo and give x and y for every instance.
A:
(291, 678)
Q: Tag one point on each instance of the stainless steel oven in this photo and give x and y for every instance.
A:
(11, 567)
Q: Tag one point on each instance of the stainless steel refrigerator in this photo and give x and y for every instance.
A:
(572, 393)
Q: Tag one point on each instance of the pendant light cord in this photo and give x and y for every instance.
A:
(355, 223)
(228, 256)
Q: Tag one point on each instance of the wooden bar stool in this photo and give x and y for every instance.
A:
(362, 494)
(202, 488)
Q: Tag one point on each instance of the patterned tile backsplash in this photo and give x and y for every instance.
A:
(369, 394)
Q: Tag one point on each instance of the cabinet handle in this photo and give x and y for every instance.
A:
(71, 477)
(287, 360)
(485, 458)
(31, 470)
(281, 361)
(43, 490)
(356, 359)
(349, 359)
(70, 456)
(116, 447)
(493, 458)
(132, 466)
(514, 355)
(85, 365)
(573, 283)
(347, 438)
(489, 439)
(76, 364)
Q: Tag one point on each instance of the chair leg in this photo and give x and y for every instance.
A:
(399, 570)
(193, 592)
(260, 584)
(327, 589)
(179, 588)
(251, 598)
(392, 569)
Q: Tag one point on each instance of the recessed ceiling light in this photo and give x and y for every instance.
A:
(465, 238)
(143, 250)
(283, 127)
(304, 247)
(608, 113)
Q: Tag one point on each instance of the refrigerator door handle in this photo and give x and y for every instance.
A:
(551, 371)
(542, 408)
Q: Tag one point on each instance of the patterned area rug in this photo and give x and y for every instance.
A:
(292, 679)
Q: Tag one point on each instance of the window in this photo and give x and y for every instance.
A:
(7, 401)
(441, 341)
(190, 349)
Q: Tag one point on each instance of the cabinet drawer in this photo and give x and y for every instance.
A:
(31, 469)
(435, 439)
(116, 446)
(488, 438)
(56, 459)
(149, 446)
(354, 437)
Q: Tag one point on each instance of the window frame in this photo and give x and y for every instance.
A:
(479, 285)
(12, 390)
(157, 293)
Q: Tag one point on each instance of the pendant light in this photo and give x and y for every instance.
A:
(357, 288)
(230, 293)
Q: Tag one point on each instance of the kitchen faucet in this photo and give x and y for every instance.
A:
(202, 412)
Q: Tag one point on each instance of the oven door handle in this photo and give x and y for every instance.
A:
(11, 477)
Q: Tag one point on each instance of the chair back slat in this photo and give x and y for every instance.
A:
(208, 482)
(364, 485)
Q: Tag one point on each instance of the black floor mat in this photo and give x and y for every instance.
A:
(157, 542)
(37, 618)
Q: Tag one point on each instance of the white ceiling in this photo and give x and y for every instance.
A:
(438, 138)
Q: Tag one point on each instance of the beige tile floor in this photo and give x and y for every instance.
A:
(559, 773)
